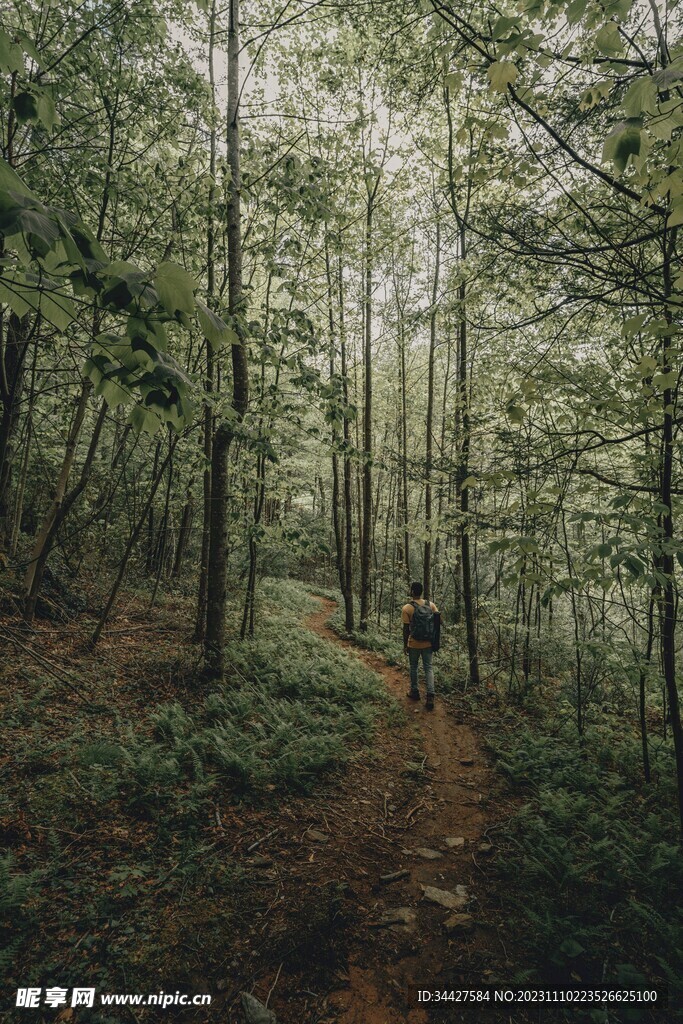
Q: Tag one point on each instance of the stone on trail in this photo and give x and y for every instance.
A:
(459, 923)
(485, 848)
(395, 876)
(426, 853)
(261, 862)
(453, 842)
(255, 1012)
(318, 837)
(398, 915)
(445, 898)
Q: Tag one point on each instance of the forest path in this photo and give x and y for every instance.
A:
(420, 954)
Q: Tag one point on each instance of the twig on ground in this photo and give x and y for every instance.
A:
(262, 840)
(277, 977)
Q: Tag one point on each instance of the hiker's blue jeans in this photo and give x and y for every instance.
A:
(414, 658)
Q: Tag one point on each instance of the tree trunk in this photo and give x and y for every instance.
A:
(366, 541)
(349, 623)
(183, 534)
(463, 488)
(404, 458)
(14, 344)
(217, 576)
(200, 621)
(429, 453)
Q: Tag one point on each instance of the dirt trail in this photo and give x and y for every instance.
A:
(384, 980)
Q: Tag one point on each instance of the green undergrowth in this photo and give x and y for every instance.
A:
(115, 818)
(378, 639)
(591, 865)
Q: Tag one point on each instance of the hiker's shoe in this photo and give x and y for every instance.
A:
(429, 703)
(413, 694)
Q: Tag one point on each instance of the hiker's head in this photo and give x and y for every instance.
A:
(416, 589)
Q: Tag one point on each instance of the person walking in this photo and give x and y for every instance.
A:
(421, 629)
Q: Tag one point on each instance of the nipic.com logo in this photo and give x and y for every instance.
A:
(30, 998)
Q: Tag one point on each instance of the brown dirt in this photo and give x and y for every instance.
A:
(387, 966)
(303, 931)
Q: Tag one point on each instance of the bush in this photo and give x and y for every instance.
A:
(604, 866)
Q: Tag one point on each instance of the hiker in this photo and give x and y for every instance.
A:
(421, 629)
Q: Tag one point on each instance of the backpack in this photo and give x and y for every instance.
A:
(422, 625)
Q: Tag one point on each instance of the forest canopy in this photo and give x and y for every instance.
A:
(354, 293)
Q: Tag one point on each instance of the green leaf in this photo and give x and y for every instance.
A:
(647, 366)
(633, 324)
(11, 55)
(634, 565)
(503, 26)
(215, 330)
(142, 419)
(10, 180)
(676, 216)
(641, 97)
(665, 380)
(608, 39)
(175, 288)
(26, 293)
(29, 47)
(501, 74)
(25, 105)
(46, 110)
(623, 142)
(515, 412)
(592, 96)
(572, 948)
(576, 11)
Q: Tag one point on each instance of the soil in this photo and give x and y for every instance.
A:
(430, 781)
(304, 922)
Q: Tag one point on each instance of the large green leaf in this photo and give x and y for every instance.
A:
(608, 40)
(641, 97)
(623, 142)
(11, 55)
(175, 288)
(10, 180)
(142, 419)
(501, 74)
(126, 287)
(215, 330)
(29, 293)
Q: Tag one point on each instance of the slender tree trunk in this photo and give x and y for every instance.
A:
(200, 621)
(429, 453)
(183, 534)
(132, 541)
(44, 536)
(366, 540)
(14, 342)
(349, 622)
(217, 578)
(404, 458)
(463, 488)
(23, 473)
(163, 534)
(336, 521)
(669, 597)
(641, 688)
(442, 452)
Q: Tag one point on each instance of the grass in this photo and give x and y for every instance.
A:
(600, 853)
(113, 818)
(377, 639)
